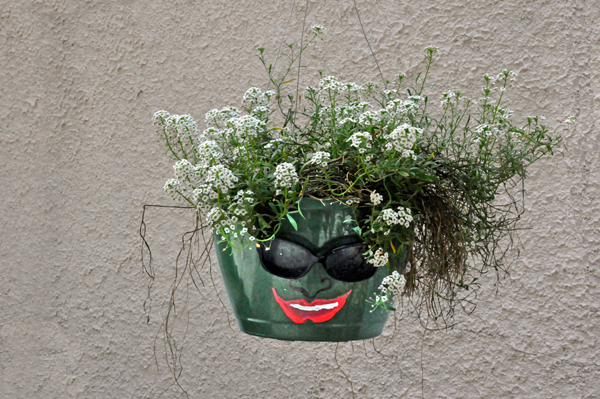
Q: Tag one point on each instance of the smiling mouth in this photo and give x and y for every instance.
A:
(317, 311)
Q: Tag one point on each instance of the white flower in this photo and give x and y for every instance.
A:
(172, 186)
(252, 93)
(487, 130)
(376, 198)
(391, 218)
(221, 178)
(369, 118)
(489, 78)
(393, 284)
(255, 97)
(402, 139)
(246, 126)
(353, 87)
(431, 50)
(208, 150)
(177, 127)
(160, 117)
(359, 139)
(285, 175)
(507, 74)
(343, 121)
(320, 158)
(317, 29)
(220, 116)
(331, 83)
(571, 120)
(185, 171)
(379, 258)
(448, 96)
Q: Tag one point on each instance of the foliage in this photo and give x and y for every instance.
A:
(434, 182)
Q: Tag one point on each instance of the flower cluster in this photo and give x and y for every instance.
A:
(231, 221)
(241, 206)
(402, 139)
(320, 158)
(185, 170)
(376, 198)
(285, 175)
(317, 29)
(486, 130)
(390, 217)
(331, 83)
(177, 127)
(183, 125)
(221, 178)
(203, 194)
(369, 118)
(379, 258)
(246, 126)
(255, 97)
(507, 74)
(220, 116)
(451, 96)
(173, 188)
(208, 151)
(361, 140)
(393, 284)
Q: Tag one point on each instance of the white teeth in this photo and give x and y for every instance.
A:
(316, 307)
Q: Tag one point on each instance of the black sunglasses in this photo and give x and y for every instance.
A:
(287, 259)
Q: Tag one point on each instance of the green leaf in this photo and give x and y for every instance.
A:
(300, 211)
(292, 221)
(262, 223)
(390, 308)
(273, 207)
(358, 230)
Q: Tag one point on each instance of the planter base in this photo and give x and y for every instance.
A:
(309, 331)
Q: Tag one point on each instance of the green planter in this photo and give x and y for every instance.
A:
(314, 307)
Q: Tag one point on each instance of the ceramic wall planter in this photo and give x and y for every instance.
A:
(315, 306)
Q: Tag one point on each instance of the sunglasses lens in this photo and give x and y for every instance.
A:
(285, 259)
(348, 264)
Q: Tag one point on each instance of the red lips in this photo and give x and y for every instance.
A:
(317, 311)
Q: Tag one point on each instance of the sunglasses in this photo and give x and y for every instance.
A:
(287, 259)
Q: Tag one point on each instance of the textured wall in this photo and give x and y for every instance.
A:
(79, 81)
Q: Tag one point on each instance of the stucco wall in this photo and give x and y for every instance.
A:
(79, 81)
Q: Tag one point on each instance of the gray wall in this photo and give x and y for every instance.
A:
(79, 81)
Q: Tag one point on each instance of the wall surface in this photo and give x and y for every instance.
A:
(79, 82)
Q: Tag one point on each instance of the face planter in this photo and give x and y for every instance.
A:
(306, 285)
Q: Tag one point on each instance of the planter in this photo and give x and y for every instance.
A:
(314, 306)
